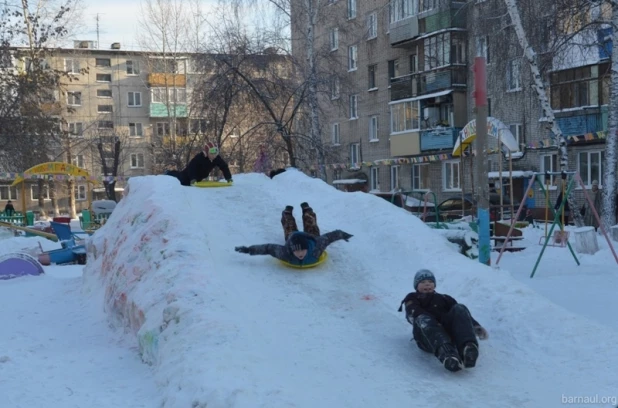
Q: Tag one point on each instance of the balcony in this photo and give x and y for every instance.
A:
(161, 110)
(438, 138)
(405, 144)
(582, 121)
(449, 14)
(418, 84)
(170, 80)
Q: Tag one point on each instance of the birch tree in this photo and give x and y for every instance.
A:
(539, 87)
(611, 144)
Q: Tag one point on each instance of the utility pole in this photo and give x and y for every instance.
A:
(480, 173)
(98, 42)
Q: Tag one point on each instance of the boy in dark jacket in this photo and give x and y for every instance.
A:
(301, 248)
(441, 325)
(201, 165)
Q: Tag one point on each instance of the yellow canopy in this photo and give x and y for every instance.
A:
(495, 128)
(52, 168)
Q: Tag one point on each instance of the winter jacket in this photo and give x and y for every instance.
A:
(434, 304)
(317, 245)
(200, 167)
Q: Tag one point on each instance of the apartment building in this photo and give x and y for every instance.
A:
(142, 100)
(408, 70)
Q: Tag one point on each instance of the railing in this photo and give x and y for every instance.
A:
(417, 84)
(439, 138)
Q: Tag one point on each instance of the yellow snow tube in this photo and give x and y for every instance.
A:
(321, 260)
(207, 183)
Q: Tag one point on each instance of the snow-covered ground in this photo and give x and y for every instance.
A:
(223, 329)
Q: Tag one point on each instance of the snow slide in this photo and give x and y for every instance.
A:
(224, 329)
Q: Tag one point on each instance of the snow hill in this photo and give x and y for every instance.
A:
(224, 329)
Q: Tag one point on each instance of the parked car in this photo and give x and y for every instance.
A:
(456, 207)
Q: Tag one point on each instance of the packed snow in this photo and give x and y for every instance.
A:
(216, 328)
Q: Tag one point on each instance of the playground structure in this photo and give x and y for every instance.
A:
(572, 178)
(17, 265)
(71, 251)
(52, 168)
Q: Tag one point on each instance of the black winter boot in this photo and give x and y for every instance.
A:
(470, 354)
(449, 357)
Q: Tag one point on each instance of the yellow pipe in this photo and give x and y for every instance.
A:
(47, 235)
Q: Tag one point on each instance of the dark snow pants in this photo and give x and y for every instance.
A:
(310, 223)
(455, 329)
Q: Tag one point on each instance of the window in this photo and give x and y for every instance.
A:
(80, 193)
(450, 175)
(201, 125)
(420, 177)
(458, 50)
(34, 192)
(8, 193)
(353, 106)
(74, 98)
(513, 78)
(137, 160)
(136, 130)
(76, 128)
(135, 99)
(335, 137)
(400, 9)
(574, 88)
(163, 129)
(393, 69)
(104, 93)
(372, 26)
(375, 178)
(488, 106)
(105, 124)
(549, 162)
(77, 160)
(334, 39)
(71, 65)
(337, 174)
(590, 167)
(371, 73)
(104, 78)
(373, 128)
(355, 156)
(426, 5)
(105, 108)
(133, 67)
(159, 95)
(351, 8)
(517, 131)
(437, 51)
(405, 116)
(334, 87)
(482, 48)
(352, 57)
(394, 178)
(413, 63)
(103, 62)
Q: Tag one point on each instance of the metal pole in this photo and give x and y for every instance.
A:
(481, 178)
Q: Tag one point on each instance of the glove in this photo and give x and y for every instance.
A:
(480, 332)
(243, 250)
(346, 236)
(230, 181)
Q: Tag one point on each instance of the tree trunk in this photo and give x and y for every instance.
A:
(539, 87)
(53, 195)
(71, 188)
(608, 210)
(41, 200)
(312, 94)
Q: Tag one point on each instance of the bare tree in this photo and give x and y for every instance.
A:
(29, 101)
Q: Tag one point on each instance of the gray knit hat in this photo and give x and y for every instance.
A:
(421, 275)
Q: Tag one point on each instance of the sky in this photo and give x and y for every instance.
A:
(224, 329)
(118, 21)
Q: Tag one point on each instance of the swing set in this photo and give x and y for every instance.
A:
(561, 238)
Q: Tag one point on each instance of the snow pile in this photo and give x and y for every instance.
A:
(228, 330)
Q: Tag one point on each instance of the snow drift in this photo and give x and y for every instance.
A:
(224, 329)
